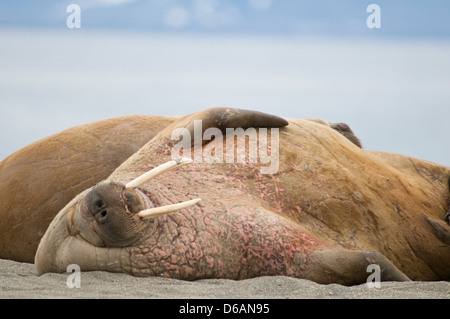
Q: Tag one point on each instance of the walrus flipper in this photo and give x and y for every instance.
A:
(223, 118)
(345, 130)
(351, 267)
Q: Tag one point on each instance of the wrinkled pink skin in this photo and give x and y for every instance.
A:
(232, 244)
(223, 236)
(229, 234)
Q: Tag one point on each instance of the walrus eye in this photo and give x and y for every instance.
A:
(98, 203)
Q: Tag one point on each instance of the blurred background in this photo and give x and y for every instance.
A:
(292, 58)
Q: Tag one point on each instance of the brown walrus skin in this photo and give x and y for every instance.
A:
(37, 181)
(331, 210)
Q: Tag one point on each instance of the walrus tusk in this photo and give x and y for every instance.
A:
(157, 171)
(162, 210)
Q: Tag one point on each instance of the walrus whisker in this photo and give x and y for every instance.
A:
(157, 171)
(162, 210)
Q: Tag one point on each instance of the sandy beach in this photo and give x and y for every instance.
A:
(20, 280)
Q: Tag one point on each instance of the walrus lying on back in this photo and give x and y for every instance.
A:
(39, 180)
(329, 211)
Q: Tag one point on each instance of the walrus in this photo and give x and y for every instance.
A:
(330, 211)
(37, 181)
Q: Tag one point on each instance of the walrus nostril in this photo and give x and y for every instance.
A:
(101, 217)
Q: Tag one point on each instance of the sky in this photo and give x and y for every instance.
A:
(292, 58)
(401, 18)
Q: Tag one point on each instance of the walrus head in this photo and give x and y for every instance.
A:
(109, 215)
